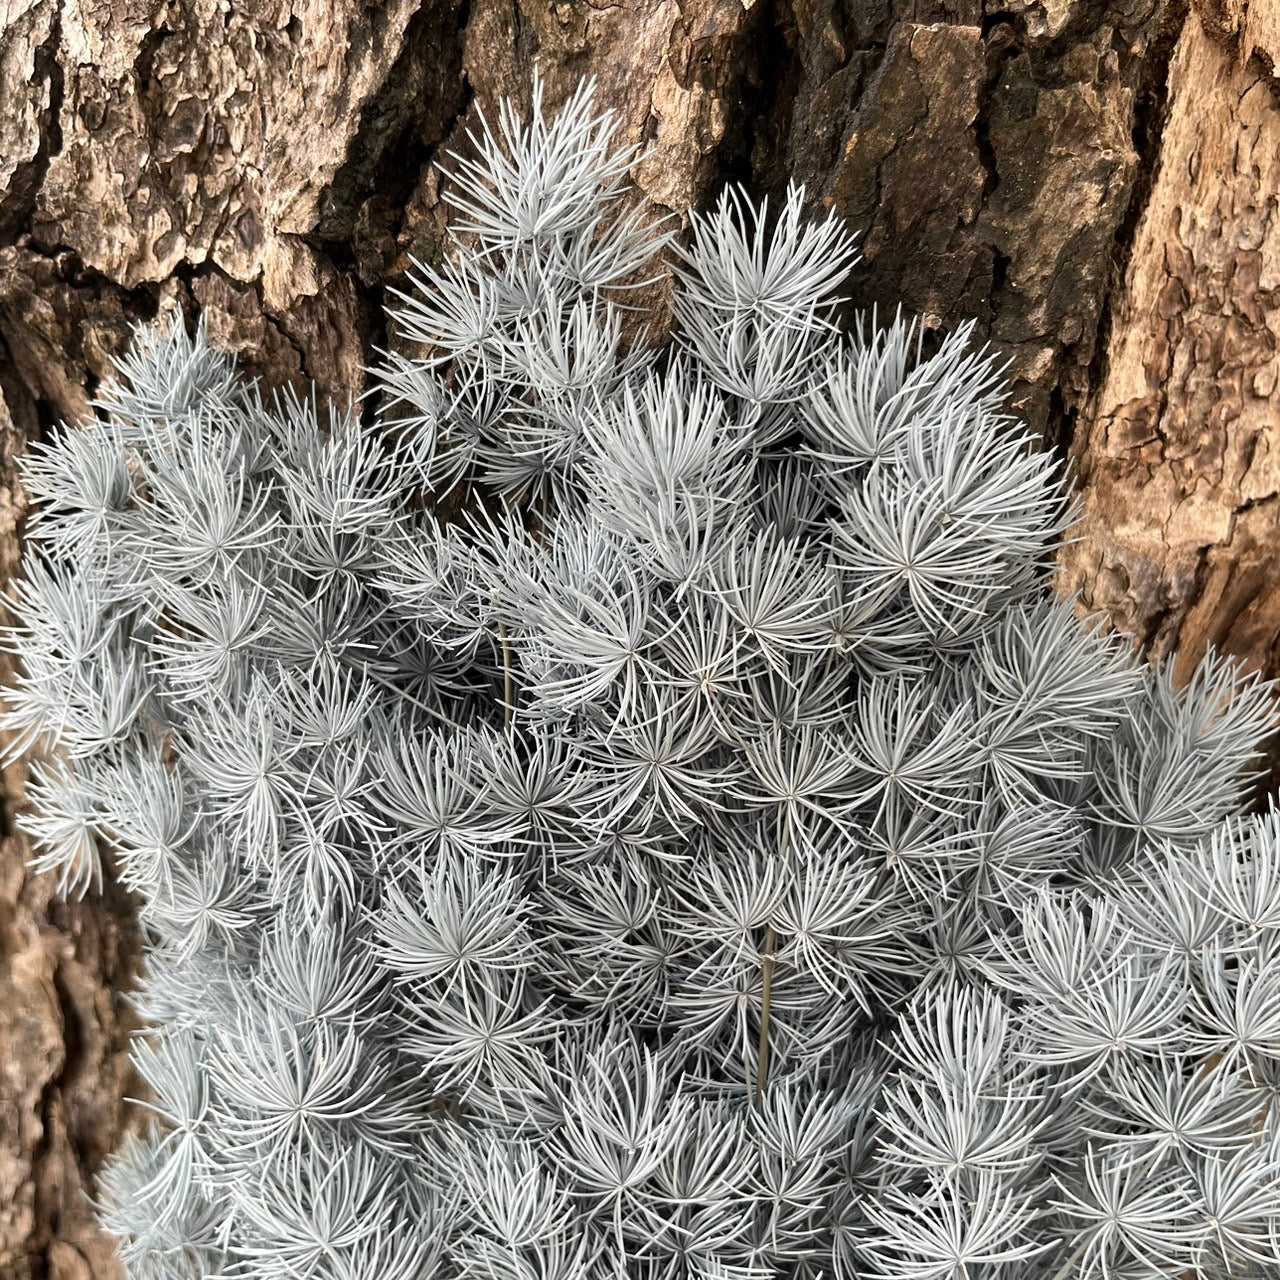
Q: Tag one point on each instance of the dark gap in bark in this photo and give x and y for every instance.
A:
(400, 132)
(1061, 428)
(47, 418)
(28, 178)
(1150, 112)
(772, 79)
(1001, 42)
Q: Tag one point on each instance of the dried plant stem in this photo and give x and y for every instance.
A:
(762, 1056)
(508, 683)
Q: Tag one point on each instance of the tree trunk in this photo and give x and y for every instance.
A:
(1095, 181)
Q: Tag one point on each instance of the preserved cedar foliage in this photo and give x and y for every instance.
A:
(709, 851)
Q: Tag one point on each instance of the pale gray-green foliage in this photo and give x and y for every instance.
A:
(473, 852)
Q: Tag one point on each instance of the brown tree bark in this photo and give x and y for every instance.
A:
(1179, 445)
(1096, 181)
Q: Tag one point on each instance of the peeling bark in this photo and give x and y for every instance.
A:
(1180, 461)
(1094, 181)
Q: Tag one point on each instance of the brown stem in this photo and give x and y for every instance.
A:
(766, 998)
(508, 684)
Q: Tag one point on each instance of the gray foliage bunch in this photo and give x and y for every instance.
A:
(639, 811)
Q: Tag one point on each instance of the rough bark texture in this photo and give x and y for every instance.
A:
(1094, 180)
(1179, 456)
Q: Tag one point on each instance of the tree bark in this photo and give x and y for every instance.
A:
(1178, 452)
(1095, 181)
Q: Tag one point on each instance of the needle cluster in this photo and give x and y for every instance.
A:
(636, 811)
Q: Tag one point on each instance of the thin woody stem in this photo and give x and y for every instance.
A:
(508, 683)
(766, 999)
